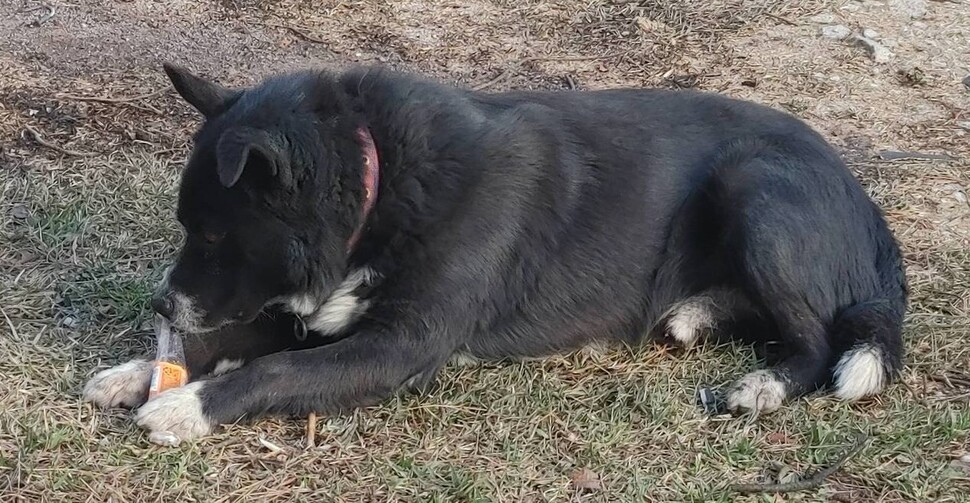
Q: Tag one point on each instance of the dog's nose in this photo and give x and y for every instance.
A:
(163, 304)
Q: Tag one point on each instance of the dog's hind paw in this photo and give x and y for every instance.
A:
(760, 392)
(125, 385)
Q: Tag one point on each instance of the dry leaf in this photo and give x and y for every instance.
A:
(777, 438)
(584, 478)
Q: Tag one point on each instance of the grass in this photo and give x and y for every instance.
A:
(83, 239)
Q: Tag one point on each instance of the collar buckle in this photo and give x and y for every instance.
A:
(299, 328)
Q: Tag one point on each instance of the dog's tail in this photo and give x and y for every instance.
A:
(868, 335)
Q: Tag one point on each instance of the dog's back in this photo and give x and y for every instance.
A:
(618, 210)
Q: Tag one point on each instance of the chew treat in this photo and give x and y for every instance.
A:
(170, 370)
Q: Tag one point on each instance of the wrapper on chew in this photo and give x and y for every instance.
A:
(170, 370)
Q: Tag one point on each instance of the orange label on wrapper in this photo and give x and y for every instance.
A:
(166, 376)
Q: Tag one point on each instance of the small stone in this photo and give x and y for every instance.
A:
(19, 211)
(964, 125)
(868, 32)
(164, 438)
(966, 81)
(911, 9)
(824, 18)
(836, 31)
(878, 52)
(69, 322)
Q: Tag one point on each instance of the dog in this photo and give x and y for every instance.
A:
(347, 234)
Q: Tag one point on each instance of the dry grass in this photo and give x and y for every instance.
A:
(83, 237)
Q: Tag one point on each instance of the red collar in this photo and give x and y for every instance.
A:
(372, 170)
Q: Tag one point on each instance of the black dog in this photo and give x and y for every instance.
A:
(377, 225)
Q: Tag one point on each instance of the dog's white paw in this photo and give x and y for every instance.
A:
(690, 320)
(178, 412)
(760, 392)
(125, 385)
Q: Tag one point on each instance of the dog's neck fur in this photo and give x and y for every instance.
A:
(336, 312)
(332, 314)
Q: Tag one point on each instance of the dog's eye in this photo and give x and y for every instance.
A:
(212, 237)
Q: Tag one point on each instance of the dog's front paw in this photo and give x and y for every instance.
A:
(125, 385)
(176, 413)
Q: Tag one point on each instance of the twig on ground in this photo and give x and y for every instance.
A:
(130, 102)
(951, 379)
(842, 498)
(13, 331)
(574, 58)
(105, 99)
(783, 19)
(895, 155)
(809, 483)
(913, 393)
(39, 138)
(501, 77)
(311, 430)
(505, 74)
(298, 32)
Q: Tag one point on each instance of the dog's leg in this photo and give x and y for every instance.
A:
(786, 270)
(216, 353)
(359, 370)
(802, 370)
(802, 359)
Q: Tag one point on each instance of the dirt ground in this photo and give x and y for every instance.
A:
(92, 141)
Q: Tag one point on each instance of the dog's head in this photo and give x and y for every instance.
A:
(269, 197)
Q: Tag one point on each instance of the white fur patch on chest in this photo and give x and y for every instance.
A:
(337, 311)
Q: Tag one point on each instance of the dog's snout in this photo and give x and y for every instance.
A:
(163, 304)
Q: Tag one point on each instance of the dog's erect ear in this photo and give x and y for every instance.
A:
(248, 149)
(207, 97)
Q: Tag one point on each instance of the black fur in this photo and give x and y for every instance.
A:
(511, 225)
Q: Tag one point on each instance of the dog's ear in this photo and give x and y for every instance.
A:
(248, 149)
(207, 97)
